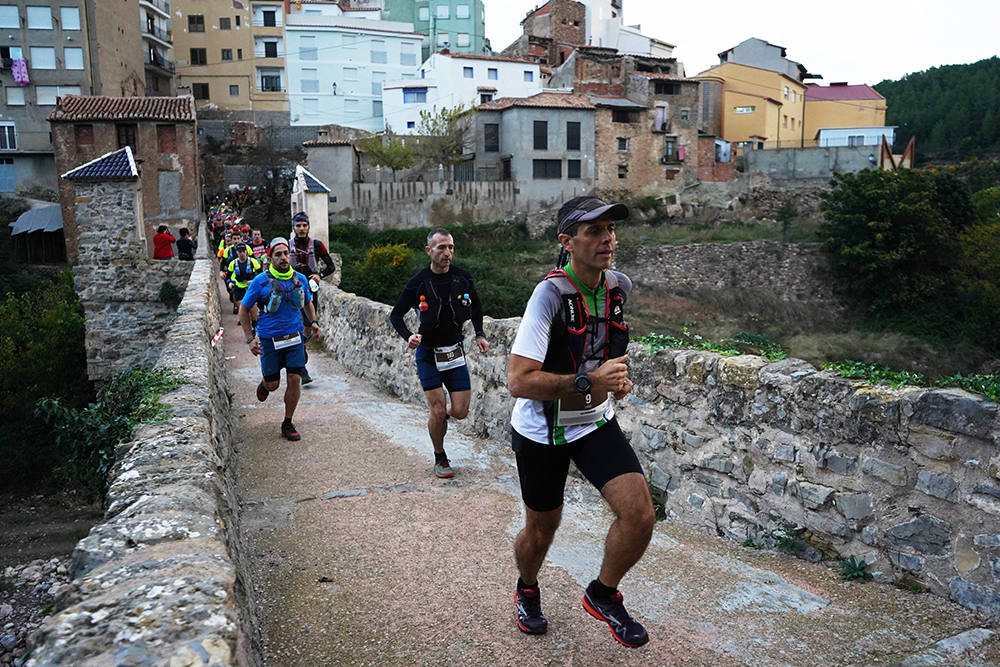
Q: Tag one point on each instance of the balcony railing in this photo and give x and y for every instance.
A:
(162, 5)
(159, 61)
(159, 33)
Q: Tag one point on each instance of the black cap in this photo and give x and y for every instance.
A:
(585, 209)
(241, 247)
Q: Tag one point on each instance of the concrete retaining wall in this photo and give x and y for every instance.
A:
(159, 580)
(431, 204)
(908, 480)
(810, 163)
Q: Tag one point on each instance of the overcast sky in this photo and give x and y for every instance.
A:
(858, 41)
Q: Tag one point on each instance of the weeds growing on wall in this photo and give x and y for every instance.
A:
(740, 343)
(88, 436)
(878, 374)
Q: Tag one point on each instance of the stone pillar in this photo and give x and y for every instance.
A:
(118, 285)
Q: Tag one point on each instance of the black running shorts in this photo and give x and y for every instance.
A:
(601, 456)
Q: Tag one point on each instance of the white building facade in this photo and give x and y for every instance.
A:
(337, 65)
(447, 80)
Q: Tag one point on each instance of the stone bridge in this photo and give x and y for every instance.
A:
(223, 544)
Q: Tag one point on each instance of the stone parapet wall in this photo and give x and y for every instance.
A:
(159, 580)
(908, 480)
(789, 271)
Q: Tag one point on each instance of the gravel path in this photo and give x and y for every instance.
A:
(362, 556)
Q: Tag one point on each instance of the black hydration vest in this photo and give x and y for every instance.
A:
(451, 302)
(574, 328)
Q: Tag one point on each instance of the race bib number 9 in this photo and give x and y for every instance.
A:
(447, 358)
(579, 410)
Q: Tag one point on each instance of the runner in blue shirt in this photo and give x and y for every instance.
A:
(282, 294)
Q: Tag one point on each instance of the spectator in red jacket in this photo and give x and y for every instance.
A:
(161, 243)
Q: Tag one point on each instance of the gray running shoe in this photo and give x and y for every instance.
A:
(442, 468)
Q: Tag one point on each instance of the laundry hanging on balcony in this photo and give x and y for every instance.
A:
(19, 69)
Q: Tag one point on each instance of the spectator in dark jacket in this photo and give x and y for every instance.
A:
(186, 245)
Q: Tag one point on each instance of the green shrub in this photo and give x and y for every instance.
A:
(88, 436)
(41, 354)
(893, 236)
(169, 295)
(11, 208)
(988, 385)
(384, 271)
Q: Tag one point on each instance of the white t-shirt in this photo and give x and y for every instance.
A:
(532, 341)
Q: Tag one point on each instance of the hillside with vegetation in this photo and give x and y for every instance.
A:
(953, 110)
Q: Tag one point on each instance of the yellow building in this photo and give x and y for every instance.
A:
(758, 105)
(232, 56)
(842, 105)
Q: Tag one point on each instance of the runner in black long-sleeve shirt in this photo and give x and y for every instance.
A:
(444, 297)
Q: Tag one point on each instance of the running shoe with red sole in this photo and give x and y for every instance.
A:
(262, 393)
(528, 603)
(288, 431)
(625, 629)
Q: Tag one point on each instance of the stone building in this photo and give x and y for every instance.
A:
(119, 286)
(66, 48)
(162, 135)
(646, 120)
(551, 32)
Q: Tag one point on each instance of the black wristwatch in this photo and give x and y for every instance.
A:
(582, 383)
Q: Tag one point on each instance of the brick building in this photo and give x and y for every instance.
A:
(646, 120)
(162, 133)
(551, 32)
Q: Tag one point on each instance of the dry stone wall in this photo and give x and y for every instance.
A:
(789, 271)
(159, 580)
(780, 453)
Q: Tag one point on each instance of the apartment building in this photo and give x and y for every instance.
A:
(337, 65)
(843, 106)
(51, 48)
(157, 47)
(457, 25)
(757, 107)
(231, 56)
(447, 80)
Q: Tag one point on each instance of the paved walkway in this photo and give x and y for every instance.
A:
(362, 556)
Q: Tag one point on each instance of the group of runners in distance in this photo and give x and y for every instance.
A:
(567, 361)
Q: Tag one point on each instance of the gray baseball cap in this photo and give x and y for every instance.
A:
(585, 209)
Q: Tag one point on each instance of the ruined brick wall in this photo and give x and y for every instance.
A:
(642, 160)
(708, 168)
(908, 480)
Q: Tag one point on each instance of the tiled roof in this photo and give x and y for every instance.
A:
(486, 89)
(326, 141)
(97, 107)
(114, 166)
(313, 184)
(841, 92)
(616, 102)
(660, 76)
(475, 56)
(541, 100)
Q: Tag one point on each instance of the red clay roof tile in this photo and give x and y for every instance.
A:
(97, 107)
